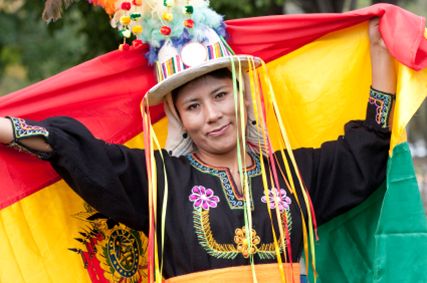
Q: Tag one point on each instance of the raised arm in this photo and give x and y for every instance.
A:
(343, 173)
(383, 71)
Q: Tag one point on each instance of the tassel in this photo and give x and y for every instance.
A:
(53, 9)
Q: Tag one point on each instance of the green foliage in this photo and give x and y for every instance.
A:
(84, 32)
(46, 49)
(247, 8)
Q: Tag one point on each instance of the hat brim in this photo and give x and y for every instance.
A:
(156, 94)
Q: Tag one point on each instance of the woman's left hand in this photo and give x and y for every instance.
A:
(374, 34)
(383, 71)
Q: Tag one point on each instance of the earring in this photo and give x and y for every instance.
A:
(184, 135)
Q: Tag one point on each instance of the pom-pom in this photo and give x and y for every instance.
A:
(137, 2)
(167, 16)
(189, 23)
(137, 29)
(165, 30)
(135, 16)
(125, 20)
(124, 47)
(188, 10)
(168, 3)
(126, 6)
(125, 33)
(137, 43)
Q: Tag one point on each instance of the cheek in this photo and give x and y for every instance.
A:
(192, 123)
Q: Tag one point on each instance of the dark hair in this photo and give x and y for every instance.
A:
(217, 74)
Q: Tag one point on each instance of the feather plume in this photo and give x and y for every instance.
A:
(53, 9)
(108, 5)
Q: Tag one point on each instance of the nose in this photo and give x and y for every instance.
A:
(213, 112)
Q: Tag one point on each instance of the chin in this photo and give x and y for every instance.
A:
(222, 148)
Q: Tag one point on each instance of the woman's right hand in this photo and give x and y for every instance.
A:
(6, 131)
(36, 143)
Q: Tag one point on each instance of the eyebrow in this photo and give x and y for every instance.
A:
(218, 88)
(189, 100)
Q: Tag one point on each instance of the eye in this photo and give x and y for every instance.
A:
(220, 94)
(192, 106)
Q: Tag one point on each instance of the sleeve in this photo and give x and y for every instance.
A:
(341, 174)
(112, 178)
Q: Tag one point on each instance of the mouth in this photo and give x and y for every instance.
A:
(219, 131)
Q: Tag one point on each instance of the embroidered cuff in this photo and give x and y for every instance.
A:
(21, 130)
(379, 107)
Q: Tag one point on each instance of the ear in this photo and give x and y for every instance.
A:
(247, 103)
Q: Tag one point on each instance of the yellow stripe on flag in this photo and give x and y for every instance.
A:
(325, 84)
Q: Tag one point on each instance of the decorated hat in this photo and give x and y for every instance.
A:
(176, 66)
(186, 39)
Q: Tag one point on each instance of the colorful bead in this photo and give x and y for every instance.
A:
(188, 10)
(135, 16)
(124, 47)
(165, 30)
(126, 6)
(125, 33)
(168, 3)
(137, 2)
(125, 20)
(137, 29)
(189, 23)
(167, 16)
(137, 43)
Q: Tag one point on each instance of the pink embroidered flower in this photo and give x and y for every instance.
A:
(283, 201)
(203, 197)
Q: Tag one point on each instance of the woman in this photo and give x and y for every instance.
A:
(204, 224)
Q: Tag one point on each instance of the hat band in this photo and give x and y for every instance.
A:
(175, 63)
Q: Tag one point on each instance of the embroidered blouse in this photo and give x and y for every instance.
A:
(205, 216)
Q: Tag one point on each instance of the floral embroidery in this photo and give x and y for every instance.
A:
(202, 197)
(234, 199)
(382, 102)
(244, 246)
(207, 239)
(22, 130)
(283, 201)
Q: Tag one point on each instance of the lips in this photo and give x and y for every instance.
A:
(219, 131)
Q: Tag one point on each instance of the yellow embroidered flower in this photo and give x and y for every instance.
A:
(242, 241)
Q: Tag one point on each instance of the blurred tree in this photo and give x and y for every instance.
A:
(247, 8)
(84, 31)
(45, 49)
(337, 6)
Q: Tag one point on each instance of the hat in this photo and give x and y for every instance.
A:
(186, 40)
(178, 66)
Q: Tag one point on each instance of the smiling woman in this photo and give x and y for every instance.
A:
(219, 199)
(207, 110)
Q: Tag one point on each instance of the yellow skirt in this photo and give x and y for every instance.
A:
(242, 274)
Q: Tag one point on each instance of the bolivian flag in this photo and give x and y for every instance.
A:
(320, 68)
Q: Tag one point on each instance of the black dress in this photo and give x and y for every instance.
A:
(205, 216)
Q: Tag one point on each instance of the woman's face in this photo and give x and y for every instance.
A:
(207, 112)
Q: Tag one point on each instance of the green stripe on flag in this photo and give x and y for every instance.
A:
(382, 240)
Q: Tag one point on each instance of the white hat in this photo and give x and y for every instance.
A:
(175, 68)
